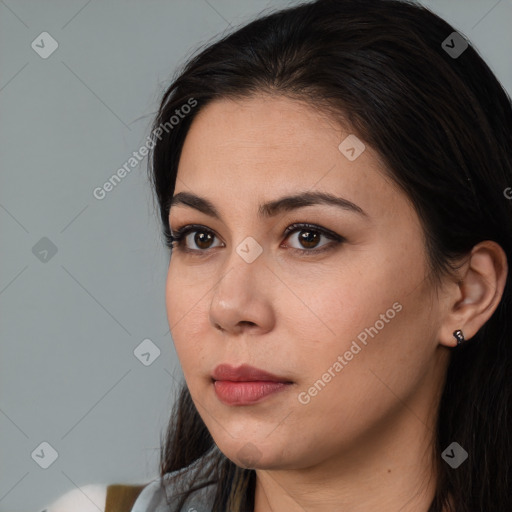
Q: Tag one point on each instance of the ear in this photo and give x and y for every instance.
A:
(473, 299)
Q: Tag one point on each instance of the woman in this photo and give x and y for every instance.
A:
(371, 370)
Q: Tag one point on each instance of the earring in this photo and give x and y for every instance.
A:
(459, 336)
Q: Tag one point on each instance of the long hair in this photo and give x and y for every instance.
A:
(442, 124)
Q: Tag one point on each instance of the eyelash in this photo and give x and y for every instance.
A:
(177, 239)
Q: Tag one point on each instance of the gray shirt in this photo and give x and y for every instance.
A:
(154, 499)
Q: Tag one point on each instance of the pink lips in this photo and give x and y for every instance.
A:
(244, 385)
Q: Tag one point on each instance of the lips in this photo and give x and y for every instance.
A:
(246, 385)
(245, 373)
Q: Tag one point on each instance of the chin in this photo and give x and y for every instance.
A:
(253, 455)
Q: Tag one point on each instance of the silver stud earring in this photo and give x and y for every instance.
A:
(459, 336)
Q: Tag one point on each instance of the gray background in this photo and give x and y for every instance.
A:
(69, 325)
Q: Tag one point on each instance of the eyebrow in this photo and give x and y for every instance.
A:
(271, 208)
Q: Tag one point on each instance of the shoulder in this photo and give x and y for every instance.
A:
(89, 498)
(164, 493)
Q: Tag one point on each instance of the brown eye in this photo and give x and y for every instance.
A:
(196, 239)
(192, 235)
(310, 236)
(202, 239)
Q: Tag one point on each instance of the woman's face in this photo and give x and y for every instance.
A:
(351, 325)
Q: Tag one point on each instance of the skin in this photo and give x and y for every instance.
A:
(364, 442)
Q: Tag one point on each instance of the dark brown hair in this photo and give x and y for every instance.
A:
(443, 127)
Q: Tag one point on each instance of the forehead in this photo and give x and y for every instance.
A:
(262, 124)
(268, 146)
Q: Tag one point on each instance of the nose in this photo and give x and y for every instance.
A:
(242, 298)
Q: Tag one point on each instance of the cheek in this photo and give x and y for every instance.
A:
(366, 310)
(184, 309)
(358, 374)
(350, 299)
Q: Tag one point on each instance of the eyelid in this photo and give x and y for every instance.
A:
(179, 235)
